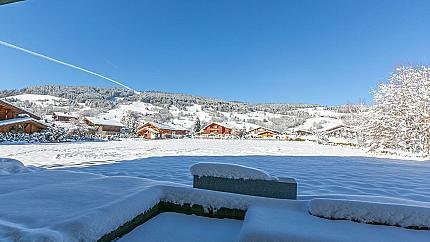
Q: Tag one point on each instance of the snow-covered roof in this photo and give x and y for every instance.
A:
(104, 122)
(300, 130)
(332, 129)
(61, 114)
(229, 126)
(166, 126)
(266, 129)
(8, 104)
(150, 130)
(20, 120)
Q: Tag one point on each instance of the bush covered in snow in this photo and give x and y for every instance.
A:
(51, 135)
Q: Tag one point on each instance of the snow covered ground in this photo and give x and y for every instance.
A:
(70, 206)
(318, 169)
(81, 191)
(94, 153)
(187, 228)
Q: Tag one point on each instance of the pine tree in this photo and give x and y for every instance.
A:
(197, 125)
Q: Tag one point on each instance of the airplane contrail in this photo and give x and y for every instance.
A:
(65, 64)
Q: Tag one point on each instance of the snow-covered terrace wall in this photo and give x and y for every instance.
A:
(231, 171)
(242, 180)
(370, 212)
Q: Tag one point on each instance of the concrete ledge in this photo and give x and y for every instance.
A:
(162, 207)
(284, 188)
(130, 225)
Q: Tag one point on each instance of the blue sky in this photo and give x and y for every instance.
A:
(327, 52)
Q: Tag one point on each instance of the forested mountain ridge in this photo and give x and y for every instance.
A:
(109, 97)
(173, 108)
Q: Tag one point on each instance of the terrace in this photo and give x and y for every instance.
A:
(80, 206)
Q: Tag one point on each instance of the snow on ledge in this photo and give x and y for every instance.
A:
(370, 212)
(231, 171)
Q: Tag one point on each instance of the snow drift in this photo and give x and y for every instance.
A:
(11, 166)
(370, 212)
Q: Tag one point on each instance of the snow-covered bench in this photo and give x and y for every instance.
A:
(242, 180)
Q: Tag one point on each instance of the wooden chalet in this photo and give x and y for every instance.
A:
(153, 130)
(105, 127)
(15, 119)
(64, 117)
(341, 131)
(302, 132)
(10, 111)
(217, 129)
(21, 125)
(263, 133)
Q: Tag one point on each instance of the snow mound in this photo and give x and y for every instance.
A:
(231, 171)
(370, 212)
(11, 166)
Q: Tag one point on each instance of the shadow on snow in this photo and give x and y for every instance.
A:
(316, 175)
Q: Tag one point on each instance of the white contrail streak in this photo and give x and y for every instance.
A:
(65, 64)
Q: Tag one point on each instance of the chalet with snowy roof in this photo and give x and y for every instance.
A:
(218, 129)
(335, 129)
(302, 132)
(263, 133)
(105, 127)
(64, 117)
(153, 130)
(341, 131)
(15, 119)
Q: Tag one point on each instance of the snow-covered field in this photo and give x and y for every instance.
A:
(94, 153)
(319, 169)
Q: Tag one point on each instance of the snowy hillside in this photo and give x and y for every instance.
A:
(42, 99)
(320, 123)
(174, 109)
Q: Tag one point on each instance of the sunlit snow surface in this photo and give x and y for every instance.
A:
(318, 169)
(317, 175)
(40, 204)
(185, 228)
